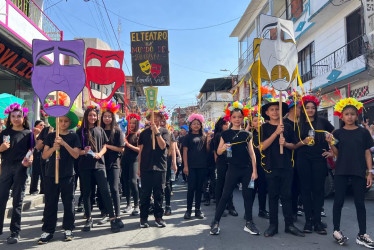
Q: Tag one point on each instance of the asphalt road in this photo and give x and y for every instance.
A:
(193, 234)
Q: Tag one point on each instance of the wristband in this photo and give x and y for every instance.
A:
(158, 134)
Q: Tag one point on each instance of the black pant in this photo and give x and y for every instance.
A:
(220, 183)
(312, 174)
(113, 180)
(12, 175)
(152, 181)
(261, 188)
(129, 180)
(279, 186)
(196, 178)
(235, 175)
(168, 183)
(359, 188)
(36, 173)
(295, 191)
(52, 194)
(99, 175)
(210, 183)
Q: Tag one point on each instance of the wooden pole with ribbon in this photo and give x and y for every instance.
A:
(57, 163)
(280, 108)
(151, 95)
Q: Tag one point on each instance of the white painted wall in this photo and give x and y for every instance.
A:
(2, 11)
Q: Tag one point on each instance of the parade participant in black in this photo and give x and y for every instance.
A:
(237, 143)
(16, 142)
(293, 119)
(130, 164)
(115, 147)
(278, 167)
(183, 133)
(210, 181)
(92, 166)
(311, 163)
(221, 165)
(351, 145)
(69, 145)
(152, 169)
(195, 152)
(36, 171)
(260, 184)
(171, 166)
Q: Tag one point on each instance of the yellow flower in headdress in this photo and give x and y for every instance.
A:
(235, 104)
(338, 109)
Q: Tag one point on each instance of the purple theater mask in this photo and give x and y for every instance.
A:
(65, 74)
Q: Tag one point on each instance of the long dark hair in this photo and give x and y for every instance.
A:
(113, 126)
(84, 129)
(132, 136)
(218, 126)
(25, 123)
(304, 122)
(201, 132)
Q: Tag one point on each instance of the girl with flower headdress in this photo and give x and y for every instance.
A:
(311, 163)
(130, 164)
(351, 145)
(16, 141)
(195, 155)
(92, 166)
(237, 144)
(115, 147)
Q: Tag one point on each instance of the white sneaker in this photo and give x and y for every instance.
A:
(364, 240)
(69, 235)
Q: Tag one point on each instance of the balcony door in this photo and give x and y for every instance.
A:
(354, 33)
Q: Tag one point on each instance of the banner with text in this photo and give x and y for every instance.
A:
(150, 58)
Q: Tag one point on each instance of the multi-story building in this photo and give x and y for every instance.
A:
(214, 95)
(135, 96)
(180, 115)
(331, 42)
(21, 21)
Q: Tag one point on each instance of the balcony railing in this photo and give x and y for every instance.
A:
(336, 59)
(39, 18)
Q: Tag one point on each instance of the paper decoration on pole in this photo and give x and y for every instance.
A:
(65, 76)
(104, 71)
(151, 95)
(277, 50)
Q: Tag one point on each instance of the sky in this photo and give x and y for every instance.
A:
(195, 54)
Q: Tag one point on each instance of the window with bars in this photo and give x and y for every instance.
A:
(306, 59)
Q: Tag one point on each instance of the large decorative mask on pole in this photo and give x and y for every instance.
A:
(277, 51)
(104, 72)
(65, 74)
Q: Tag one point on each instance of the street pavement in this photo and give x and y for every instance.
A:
(192, 234)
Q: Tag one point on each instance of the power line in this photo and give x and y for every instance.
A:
(53, 5)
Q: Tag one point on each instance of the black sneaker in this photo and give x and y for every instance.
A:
(144, 223)
(167, 211)
(300, 211)
(88, 225)
(271, 231)
(114, 226)
(320, 229)
(263, 214)
(45, 238)
(323, 214)
(365, 240)
(160, 222)
(225, 213)
(214, 228)
(308, 227)
(199, 214)
(136, 211)
(104, 220)
(79, 209)
(128, 209)
(13, 238)
(340, 238)
(120, 223)
(251, 228)
(68, 235)
(207, 202)
(233, 212)
(187, 215)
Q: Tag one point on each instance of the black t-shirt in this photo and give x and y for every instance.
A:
(221, 159)
(153, 159)
(66, 163)
(240, 155)
(112, 157)
(20, 143)
(317, 149)
(273, 159)
(130, 155)
(197, 155)
(351, 146)
(180, 144)
(87, 161)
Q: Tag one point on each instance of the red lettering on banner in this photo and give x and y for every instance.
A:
(6, 55)
(14, 68)
(8, 63)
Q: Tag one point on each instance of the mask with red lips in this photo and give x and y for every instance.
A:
(104, 74)
(155, 70)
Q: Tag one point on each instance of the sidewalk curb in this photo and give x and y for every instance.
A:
(28, 203)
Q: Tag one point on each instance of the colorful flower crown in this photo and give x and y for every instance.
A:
(338, 109)
(131, 116)
(311, 98)
(93, 107)
(236, 105)
(198, 117)
(109, 106)
(165, 115)
(62, 100)
(14, 107)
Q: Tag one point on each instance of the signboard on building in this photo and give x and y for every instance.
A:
(150, 58)
(330, 99)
